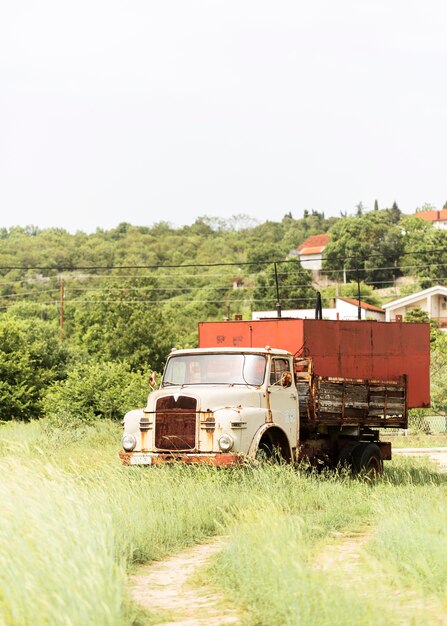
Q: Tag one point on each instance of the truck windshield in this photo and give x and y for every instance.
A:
(215, 369)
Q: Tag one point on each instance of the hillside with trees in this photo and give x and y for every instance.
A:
(114, 303)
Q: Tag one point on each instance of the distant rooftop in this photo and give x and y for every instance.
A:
(433, 216)
(363, 305)
(414, 297)
(314, 244)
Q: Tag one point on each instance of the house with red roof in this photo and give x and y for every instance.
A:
(311, 252)
(437, 218)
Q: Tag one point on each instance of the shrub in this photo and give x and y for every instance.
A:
(95, 389)
(31, 357)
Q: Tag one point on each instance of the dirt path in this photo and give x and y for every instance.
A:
(347, 560)
(164, 586)
(436, 455)
(343, 555)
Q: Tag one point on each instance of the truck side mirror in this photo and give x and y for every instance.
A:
(286, 379)
(153, 381)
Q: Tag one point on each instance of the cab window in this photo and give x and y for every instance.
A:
(279, 366)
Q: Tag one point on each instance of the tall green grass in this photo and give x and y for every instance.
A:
(58, 562)
(411, 536)
(267, 567)
(74, 521)
(269, 563)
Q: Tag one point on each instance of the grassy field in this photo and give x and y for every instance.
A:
(74, 523)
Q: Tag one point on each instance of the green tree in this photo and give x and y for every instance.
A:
(394, 213)
(368, 246)
(438, 358)
(360, 209)
(124, 322)
(294, 284)
(264, 252)
(438, 379)
(350, 290)
(417, 315)
(426, 251)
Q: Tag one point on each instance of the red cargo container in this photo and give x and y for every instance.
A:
(358, 349)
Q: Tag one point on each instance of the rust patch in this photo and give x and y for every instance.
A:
(175, 423)
(125, 457)
(219, 460)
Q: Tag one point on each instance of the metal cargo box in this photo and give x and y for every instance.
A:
(346, 349)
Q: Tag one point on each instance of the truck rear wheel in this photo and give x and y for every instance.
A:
(367, 459)
(344, 460)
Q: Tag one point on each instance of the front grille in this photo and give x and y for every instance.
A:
(175, 423)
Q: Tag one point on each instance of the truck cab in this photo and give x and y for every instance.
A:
(217, 406)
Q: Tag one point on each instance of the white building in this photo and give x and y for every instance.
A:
(437, 218)
(433, 301)
(344, 309)
(311, 252)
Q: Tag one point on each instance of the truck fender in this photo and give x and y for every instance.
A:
(277, 435)
(131, 421)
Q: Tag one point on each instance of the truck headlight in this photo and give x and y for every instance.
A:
(226, 442)
(128, 442)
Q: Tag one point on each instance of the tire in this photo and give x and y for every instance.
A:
(268, 452)
(367, 459)
(344, 460)
(264, 452)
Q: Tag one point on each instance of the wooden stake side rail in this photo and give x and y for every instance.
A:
(342, 401)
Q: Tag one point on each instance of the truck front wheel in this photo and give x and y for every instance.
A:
(273, 447)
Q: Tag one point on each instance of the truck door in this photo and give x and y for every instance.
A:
(284, 397)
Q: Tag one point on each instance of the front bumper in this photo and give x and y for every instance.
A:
(216, 459)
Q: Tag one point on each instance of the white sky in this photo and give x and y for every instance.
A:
(143, 110)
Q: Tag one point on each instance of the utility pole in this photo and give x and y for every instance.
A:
(318, 307)
(278, 303)
(359, 310)
(61, 308)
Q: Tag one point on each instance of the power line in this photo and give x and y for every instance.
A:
(159, 301)
(27, 293)
(203, 277)
(149, 288)
(73, 289)
(71, 268)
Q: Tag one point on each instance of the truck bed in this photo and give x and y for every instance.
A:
(342, 401)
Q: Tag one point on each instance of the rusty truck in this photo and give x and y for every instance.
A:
(292, 389)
